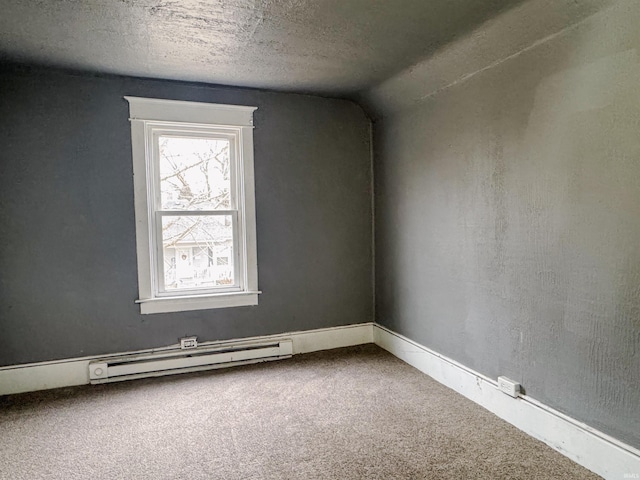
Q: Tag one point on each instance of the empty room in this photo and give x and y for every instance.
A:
(319, 239)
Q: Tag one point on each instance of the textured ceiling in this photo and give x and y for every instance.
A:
(330, 47)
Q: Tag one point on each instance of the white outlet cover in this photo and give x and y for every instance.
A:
(509, 386)
(188, 342)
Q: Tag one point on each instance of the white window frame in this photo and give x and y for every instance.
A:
(151, 117)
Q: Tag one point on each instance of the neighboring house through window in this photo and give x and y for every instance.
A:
(194, 203)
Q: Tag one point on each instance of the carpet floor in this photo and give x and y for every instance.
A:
(352, 413)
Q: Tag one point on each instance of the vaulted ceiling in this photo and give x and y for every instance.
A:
(328, 47)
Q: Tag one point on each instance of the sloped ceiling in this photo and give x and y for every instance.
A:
(503, 37)
(327, 47)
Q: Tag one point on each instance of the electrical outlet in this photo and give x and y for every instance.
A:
(509, 386)
(188, 342)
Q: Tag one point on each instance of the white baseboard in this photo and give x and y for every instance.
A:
(75, 371)
(586, 446)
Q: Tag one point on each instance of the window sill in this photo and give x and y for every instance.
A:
(197, 302)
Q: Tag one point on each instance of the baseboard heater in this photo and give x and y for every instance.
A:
(170, 362)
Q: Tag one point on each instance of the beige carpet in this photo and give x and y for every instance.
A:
(355, 413)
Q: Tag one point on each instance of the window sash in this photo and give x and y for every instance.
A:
(154, 131)
(159, 261)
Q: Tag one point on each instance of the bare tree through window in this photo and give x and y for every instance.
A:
(195, 176)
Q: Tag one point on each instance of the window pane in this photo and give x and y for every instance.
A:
(192, 246)
(194, 173)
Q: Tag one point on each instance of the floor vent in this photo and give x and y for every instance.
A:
(171, 362)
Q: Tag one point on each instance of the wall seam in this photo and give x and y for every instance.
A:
(537, 43)
(373, 223)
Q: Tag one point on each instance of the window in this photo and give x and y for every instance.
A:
(194, 204)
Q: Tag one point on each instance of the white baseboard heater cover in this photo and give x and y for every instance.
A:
(169, 362)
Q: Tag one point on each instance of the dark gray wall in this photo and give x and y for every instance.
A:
(68, 258)
(508, 218)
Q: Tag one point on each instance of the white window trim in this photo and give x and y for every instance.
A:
(147, 111)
